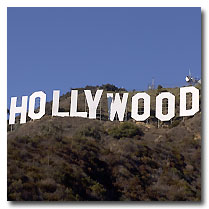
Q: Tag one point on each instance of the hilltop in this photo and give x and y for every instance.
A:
(68, 158)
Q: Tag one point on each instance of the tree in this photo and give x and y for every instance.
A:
(159, 87)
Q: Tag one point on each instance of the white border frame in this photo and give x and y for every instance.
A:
(96, 3)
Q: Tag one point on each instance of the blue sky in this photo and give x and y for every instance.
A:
(60, 48)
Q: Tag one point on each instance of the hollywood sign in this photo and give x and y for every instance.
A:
(117, 105)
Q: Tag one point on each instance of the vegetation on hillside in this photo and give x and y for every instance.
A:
(82, 159)
(74, 159)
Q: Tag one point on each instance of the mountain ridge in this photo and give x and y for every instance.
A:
(79, 159)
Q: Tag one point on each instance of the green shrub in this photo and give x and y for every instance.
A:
(91, 131)
(175, 123)
(159, 88)
(48, 185)
(97, 191)
(125, 129)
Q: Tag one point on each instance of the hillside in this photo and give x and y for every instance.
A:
(68, 158)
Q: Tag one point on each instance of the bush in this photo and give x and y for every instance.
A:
(98, 191)
(125, 130)
(48, 185)
(159, 87)
(93, 130)
(175, 123)
(109, 87)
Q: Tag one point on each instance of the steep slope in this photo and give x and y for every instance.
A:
(81, 159)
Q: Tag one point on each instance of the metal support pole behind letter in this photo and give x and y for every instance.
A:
(85, 103)
(158, 123)
(100, 110)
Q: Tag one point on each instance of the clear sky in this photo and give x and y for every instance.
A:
(60, 48)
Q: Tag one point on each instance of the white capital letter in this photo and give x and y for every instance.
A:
(73, 106)
(55, 105)
(14, 109)
(171, 106)
(134, 110)
(93, 104)
(32, 100)
(117, 105)
(195, 101)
